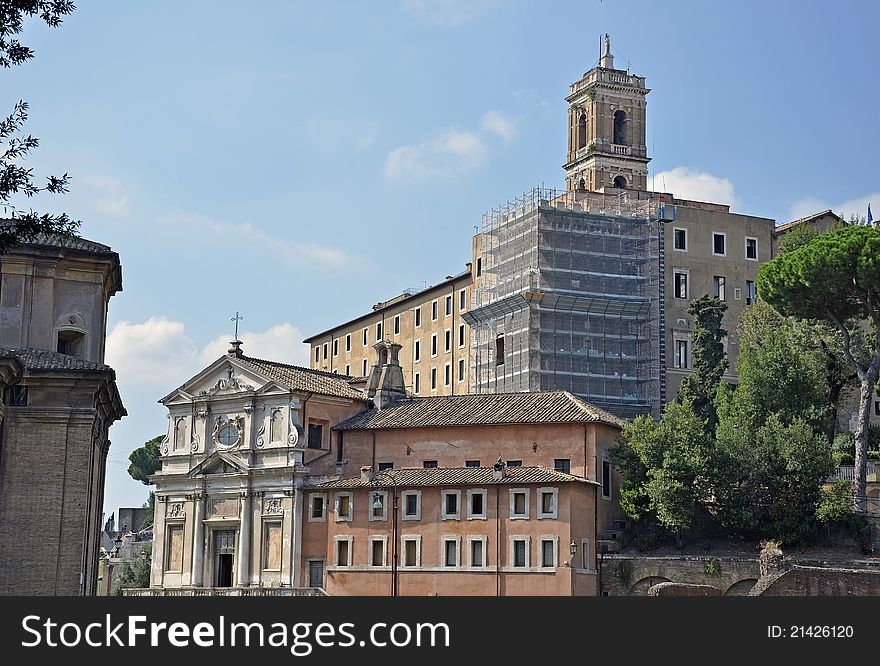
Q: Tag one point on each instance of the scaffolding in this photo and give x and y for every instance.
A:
(569, 297)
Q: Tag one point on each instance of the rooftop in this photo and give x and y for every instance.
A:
(482, 409)
(445, 476)
(305, 379)
(72, 242)
(38, 359)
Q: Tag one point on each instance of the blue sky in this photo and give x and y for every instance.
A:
(300, 161)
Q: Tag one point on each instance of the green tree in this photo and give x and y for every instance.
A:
(836, 278)
(710, 361)
(135, 572)
(145, 461)
(16, 181)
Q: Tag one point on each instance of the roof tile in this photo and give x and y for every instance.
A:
(305, 379)
(446, 476)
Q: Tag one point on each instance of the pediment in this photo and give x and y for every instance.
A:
(222, 378)
(219, 462)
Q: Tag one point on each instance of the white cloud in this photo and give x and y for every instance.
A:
(448, 13)
(500, 124)
(111, 197)
(687, 183)
(160, 355)
(846, 209)
(451, 153)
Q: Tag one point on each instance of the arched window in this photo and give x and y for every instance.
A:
(620, 128)
(180, 434)
(620, 182)
(582, 131)
(582, 184)
(70, 342)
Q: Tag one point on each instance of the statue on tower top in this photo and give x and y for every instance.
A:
(607, 60)
(607, 44)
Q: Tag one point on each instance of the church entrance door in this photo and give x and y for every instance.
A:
(224, 555)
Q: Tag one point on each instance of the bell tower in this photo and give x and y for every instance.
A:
(606, 129)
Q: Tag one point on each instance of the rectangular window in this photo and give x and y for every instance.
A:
(520, 553)
(396, 324)
(317, 353)
(447, 374)
(752, 249)
(366, 333)
(680, 287)
(462, 299)
(325, 351)
(447, 339)
(449, 305)
(681, 353)
(461, 335)
(720, 290)
(379, 505)
(335, 346)
(548, 553)
(316, 435)
(378, 331)
(433, 379)
(450, 552)
(343, 552)
(377, 552)
(719, 244)
(461, 369)
(433, 344)
(434, 311)
(877, 407)
(385, 465)
(476, 504)
(348, 342)
(174, 549)
(477, 553)
(471, 463)
(364, 371)
(411, 551)
(318, 508)
(416, 383)
(514, 463)
(499, 350)
(679, 239)
(606, 479)
(343, 506)
(519, 503)
(418, 316)
(479, 266)
(272, 546)
(547, 503)
(737, 293)
(429, 464)
(585, 555)
(751, 293)
(412, 505)
(562, 465)
(417, 351)
(347, 370)
(450, 499)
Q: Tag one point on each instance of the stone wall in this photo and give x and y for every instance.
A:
(634, 575)
(804, 581)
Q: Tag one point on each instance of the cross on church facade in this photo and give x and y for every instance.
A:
(237, 318)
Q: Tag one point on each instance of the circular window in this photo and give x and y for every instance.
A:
(228, 435)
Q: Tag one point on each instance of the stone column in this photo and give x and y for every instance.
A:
(244, 540)
(199, 546)
(158, 568)
(258, 543)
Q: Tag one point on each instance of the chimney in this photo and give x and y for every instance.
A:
(499, 470)
(366, 473)
(385, 385)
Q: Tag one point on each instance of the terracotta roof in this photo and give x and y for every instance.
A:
(304, 379)
(482, 409)
(788, 225)
(55, 240)
(451, 476)
(39, 359)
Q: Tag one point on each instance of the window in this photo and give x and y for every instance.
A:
(447, 374)
(325, 351)
(343, 551)
(450, 504)
(514, 463)
(519, 551)
(378, 331)
(519, 503)
(562, 465)
(416, 383)
(620, 128)
(877, 407)
(433, 344)
(477, 552)
(719, 284)
(377, 551)
(585, 555)
(272, 546)
(461, 335)
(316, 435)
(434, 311)
(737, 293)
(318, 508)
(679, 240)
(462, 299)
(719, 244)
(606, 479)
(429, 464)
(479, 266)
(379, 505)
(680, 288)
(547, 498)
(499, 350)
(364, 371)
(396, 324)
(752, 248)
(343, 506)
(412, 551)
(461, 369)
(417, 351)
(681, 353)
(471, 463)
(335, 346)
(450, 551)
(418, 315)
(317, 353)
(751, 293)
(347, 370)
(448, 305)
(348, 342)
(548, 552)
(366, 333)
(385, 465)
(433, 379)
(18, 396)
(476, 504)
(412, 505)
(447, 339)
(174, 550)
